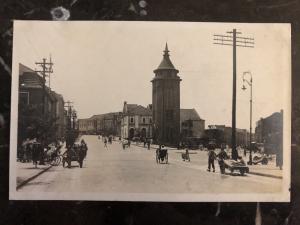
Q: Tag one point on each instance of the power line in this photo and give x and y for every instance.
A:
(233, 40)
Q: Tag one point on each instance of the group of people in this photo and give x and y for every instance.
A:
(35, 151)
(212, 156)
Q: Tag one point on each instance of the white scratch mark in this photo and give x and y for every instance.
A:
(218, 209)
(6, 67)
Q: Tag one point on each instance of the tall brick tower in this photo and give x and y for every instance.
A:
(166, 102)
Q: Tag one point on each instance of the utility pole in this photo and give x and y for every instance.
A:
(69, 124)
(232, 39)
(46, 71)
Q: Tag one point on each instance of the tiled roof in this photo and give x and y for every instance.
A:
(23, 69)
(105, 115)
(134, 109)
(189, 114)
(29, 78)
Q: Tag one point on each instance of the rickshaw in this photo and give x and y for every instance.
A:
(162, 155)
(71, 154)
(263, 159)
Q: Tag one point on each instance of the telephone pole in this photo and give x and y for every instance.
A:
(233, 40)
(69, 138)
(46, 71)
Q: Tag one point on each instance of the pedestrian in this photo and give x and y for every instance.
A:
(105, 143)
(84, 147)
(186, 156)
(129, 143)
(211, 159)
(145, 142)
(35, 153)
(148, 144)
(82, 153)
(221, 157)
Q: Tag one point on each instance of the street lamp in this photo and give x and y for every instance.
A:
(249, 82)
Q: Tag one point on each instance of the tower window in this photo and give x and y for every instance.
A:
(144, 120)
(131, 120)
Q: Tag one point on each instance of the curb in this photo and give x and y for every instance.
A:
(32, 177)
(265, 175)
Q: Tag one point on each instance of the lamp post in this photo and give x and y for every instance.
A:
(250, 83)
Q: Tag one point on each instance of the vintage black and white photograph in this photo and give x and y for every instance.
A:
(151, 111)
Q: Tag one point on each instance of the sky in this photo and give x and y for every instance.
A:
(99, 65)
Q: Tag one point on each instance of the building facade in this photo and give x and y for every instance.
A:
(191, 125)
(221, 134)
(269, 132)
(41, 111)
(166, 102)
(104, 124)
(136, 121)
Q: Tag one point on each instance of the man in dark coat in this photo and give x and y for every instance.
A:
(211, 159)
(222, 156)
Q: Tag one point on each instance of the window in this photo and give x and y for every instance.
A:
(144, 120)
(150, 120)
(131, 119)
(24, 97)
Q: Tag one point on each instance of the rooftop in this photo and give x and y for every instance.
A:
(189, 114)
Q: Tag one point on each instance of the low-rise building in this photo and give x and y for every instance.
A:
(191, 125)
(221, 134)
(136, 121)
(269, 132)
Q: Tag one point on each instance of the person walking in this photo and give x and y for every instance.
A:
(222, 156)
(82, 153)
(105, 143)
(129, 142)
(211, 159)
(148, 144)
(35, 154)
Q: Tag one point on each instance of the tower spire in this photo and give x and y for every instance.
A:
(166, 51)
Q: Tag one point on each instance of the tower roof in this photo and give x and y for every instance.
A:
(166, 62)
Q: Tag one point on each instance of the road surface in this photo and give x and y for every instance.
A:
(134, 170)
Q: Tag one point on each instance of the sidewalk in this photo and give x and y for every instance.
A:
(27, 171)
(269, 170)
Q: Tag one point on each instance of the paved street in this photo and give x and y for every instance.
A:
(135, 170)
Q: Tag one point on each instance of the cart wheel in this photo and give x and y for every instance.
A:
(255, 158)
(57, 161)
(264, 161)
